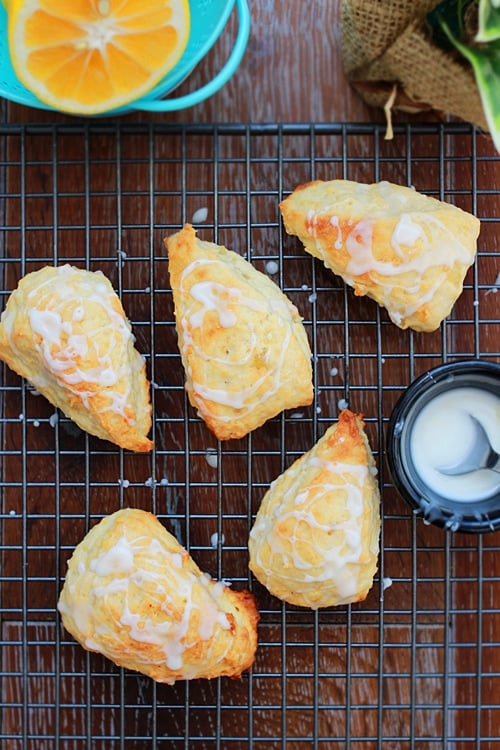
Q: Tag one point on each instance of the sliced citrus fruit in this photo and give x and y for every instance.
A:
(90, 56)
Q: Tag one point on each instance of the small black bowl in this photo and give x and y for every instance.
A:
(469, 515)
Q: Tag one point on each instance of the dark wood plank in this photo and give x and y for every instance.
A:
(291, 72)
(411, 661)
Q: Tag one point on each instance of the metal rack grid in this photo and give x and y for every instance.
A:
(417, 664)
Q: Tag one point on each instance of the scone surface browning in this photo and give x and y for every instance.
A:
(315, 539)
(245, 351)
(64, 330)
(133, 593)
(406, 250)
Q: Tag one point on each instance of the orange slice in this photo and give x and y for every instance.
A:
(91, 56)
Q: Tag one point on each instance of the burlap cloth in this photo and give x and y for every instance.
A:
(386, 49)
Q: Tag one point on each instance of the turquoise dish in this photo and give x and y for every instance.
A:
(208, 19)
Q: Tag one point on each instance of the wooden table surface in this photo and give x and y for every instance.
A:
(291, 72)
(405, 667)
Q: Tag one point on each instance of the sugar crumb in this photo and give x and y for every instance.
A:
(214, 539)
(272, 267)
(200, 215)
(211, 458)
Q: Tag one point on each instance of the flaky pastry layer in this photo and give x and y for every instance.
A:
(315, 540)
(244, 348)
(134, 594)
(64, 330)
(407, 251)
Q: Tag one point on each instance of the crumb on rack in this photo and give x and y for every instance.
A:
(200, 215)
(215, 539)
(495, 286)
(211, 458)
(272, 267)
(122, 256)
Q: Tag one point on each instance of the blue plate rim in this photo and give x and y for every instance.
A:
(173, 79)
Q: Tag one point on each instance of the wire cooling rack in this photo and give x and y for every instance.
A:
(417, 665)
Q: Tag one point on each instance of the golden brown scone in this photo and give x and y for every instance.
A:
(407, 251)
(315, 540)
(134, 594)
(65, 331)
(245, 351)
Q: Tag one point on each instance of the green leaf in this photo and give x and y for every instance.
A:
(450, 14)
(485, 61)
(488, 21)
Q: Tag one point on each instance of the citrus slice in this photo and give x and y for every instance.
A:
(91, 56)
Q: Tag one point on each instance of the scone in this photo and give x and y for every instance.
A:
(244, 348)
(315, 540)
(65, 331)
(134, 594)
(407, 251)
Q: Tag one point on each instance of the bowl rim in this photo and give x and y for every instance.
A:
(180, 71)
(184, 67)
(439, 510)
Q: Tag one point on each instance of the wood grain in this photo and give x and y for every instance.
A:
(291, 72)
(415, 661)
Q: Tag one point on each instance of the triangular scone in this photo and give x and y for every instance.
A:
(407, 251)
(134, 594)
(315, 540)
(243, 345)
(65, 331)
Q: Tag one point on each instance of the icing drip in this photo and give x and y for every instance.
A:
(212, 296)
(411, 242)
(134, 569)
(406, 233)
(337, 537)
(207, 297)
(334, 221)
(68, 317)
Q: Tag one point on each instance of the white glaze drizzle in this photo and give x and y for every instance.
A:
(211, 296)
(410, 229)
(118, 559)
(137, 568)
(334, 221)
(341, 561)
(59, 313)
